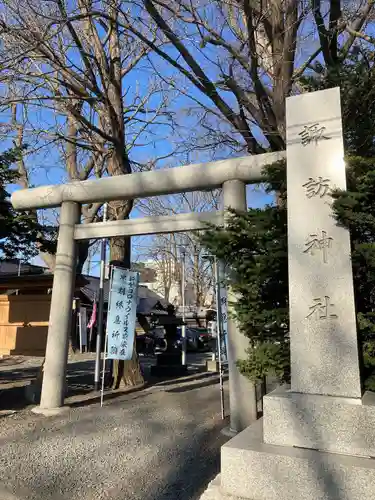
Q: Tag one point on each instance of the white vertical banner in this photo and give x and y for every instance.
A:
(122, 312)
(223, 325)
(222, 311)
(82, 325)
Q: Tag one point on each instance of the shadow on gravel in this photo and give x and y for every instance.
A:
(190, 478)
(171, 381)
(80, 384)
(14, 380)
(13, 398)
(185, 453)
(17, 374)
(191, 387)
(108, 396)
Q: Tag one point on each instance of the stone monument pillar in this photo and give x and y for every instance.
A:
(323, 337)
(316, 440)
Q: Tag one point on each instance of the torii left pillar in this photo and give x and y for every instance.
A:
(53, 389)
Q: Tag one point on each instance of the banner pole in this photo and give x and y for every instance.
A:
(219, 332)
(106, 337)
(183, 328)
(99, 329)
(80, 330)
(92, 324)
(103, 374)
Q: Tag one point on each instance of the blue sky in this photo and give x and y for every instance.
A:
(46, 165)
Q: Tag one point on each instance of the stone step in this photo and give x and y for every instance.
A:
(254, 470)
(215, 492)
(325, 423)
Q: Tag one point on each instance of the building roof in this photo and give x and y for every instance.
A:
(10, 283)
(13, 266)
(147, 299)
(9, 270)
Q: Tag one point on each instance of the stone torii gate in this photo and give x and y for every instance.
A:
(230, 175)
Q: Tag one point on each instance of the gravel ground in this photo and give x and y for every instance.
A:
(17, 372)
(158, 444)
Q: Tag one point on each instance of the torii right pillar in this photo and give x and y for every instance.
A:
(242, 394)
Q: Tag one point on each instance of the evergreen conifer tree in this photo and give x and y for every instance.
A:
(20, 232)
(254, 245)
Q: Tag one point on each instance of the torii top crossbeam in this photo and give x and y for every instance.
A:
(196, 177)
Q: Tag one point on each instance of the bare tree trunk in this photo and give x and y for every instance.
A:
(127, 373)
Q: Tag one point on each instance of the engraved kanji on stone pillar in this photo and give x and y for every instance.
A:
(323, 336)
